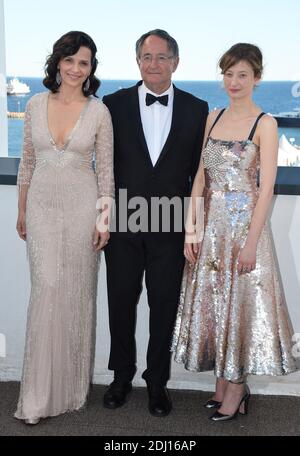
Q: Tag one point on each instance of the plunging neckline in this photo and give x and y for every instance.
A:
(71, 134)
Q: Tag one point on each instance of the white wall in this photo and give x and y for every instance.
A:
(3, 101)
(14, 295)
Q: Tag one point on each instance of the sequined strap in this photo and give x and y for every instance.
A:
(254, 126)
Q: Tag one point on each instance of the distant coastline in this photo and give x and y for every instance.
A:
(15, 115)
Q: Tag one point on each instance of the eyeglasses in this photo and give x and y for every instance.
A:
(161, 59)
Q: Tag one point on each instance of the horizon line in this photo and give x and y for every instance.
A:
(173, 80)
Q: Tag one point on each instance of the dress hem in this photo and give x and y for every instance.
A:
(244, 374)
(68, 410)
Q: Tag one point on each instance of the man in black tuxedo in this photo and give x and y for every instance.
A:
(158, 135)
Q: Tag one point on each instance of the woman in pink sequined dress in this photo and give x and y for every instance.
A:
(65, 128)
(232, 316)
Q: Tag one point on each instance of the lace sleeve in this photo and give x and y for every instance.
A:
(27, 162)
(104, 156)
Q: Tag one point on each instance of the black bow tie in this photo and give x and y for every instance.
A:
(150, 99)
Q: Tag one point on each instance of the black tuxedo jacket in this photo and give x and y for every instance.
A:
(174, 172)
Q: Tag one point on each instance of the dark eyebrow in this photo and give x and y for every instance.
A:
(71, 57)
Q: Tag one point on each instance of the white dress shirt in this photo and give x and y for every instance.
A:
(156, 120)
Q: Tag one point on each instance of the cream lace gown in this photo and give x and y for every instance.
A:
(60, 222)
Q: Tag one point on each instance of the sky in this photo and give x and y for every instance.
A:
(203, 29)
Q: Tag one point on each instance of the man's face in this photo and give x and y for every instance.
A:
(157, 64)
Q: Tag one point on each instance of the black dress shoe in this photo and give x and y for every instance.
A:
(159, 400)
(116, 394)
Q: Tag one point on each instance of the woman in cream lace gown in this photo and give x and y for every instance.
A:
(232, 316)
(58, 191)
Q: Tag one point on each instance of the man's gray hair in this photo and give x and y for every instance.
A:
(172, 44)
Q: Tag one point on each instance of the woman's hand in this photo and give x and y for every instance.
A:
(21, 225)
(247, 259)
(191, 248)
(100, 239)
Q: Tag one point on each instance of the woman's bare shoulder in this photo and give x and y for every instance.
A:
(212, 117)
(268, 121)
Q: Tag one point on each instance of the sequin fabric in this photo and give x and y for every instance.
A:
(60, 221)
(230, 323)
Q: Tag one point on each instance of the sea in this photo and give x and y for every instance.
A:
(272, 96)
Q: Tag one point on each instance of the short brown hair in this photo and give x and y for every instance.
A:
(243, 51)
(172, 43)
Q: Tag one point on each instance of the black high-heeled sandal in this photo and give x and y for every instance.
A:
(242, 408)
(211, 403)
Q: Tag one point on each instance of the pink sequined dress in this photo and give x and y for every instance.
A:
(230, 323)
(60, 221)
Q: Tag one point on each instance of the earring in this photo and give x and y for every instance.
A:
(58, 78)
(87, 85)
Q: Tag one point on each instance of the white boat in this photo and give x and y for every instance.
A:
(15, 87)
(288, 119)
